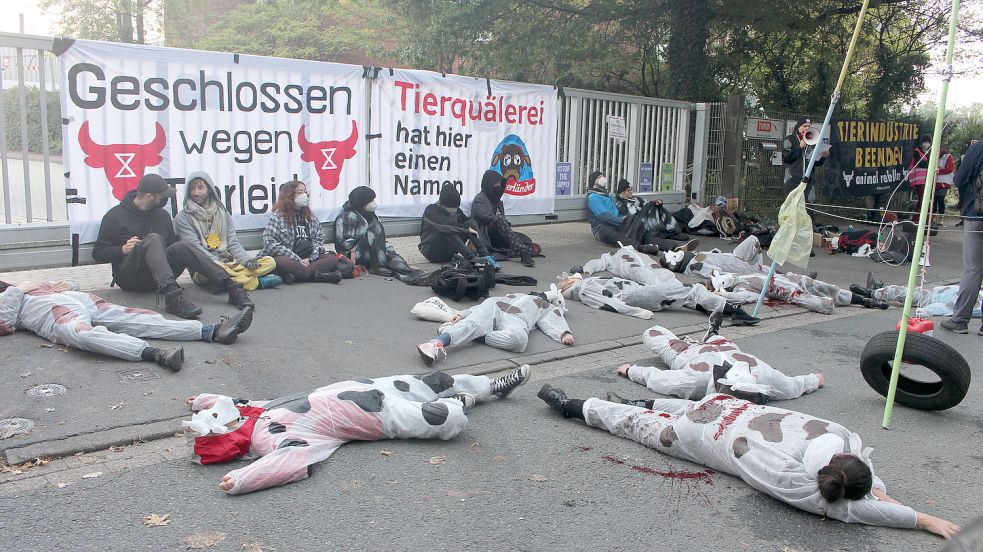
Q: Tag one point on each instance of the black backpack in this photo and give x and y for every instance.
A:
(463, 280)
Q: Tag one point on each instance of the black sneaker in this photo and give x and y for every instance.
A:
(526, 259)
(239, 298)
(228, 331)
(467, 400)
(690, 245)
(713, 325)
(289, 278)
(176, 304)
(576, 269)
(873, 284)
(503, 386)
(860, 290)
(875, 304)
(333, 277)
(956, 327)
(649, 249)
(740, 317)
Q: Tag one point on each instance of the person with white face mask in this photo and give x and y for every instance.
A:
(359, 235)
(446, 231)
(294, 239)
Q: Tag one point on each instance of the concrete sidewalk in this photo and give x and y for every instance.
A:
(309, 335)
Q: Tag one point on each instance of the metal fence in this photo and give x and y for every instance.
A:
(656, 132)
(27, 164)
(716, 114)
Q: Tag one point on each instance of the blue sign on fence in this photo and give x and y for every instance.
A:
(646, 174)
(564, 179)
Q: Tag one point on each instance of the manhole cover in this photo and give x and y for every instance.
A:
(14, 426)
(46, 390)
(147, 374)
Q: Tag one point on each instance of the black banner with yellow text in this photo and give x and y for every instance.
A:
(868, 157)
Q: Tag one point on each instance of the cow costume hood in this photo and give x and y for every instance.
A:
(493, 186)
(221, 433)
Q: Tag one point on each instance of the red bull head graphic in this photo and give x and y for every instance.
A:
(124, 164)
(328, 156)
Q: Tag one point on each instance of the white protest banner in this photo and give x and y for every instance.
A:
(450, 129)
(250, 122)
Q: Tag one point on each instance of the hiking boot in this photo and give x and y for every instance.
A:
(228, 331)
(740, 317)
(859, 290)
(713, 326)
(874, 304)
(269, 281)
(503, 386)
(173, 360)
(431, 352)
(333, 277)
(873, 284)
(687, 246)
(956, 327)
(649, 249)
(526, 259)
(176, 304)
(239, 299)
(467, 400)
(553, 396)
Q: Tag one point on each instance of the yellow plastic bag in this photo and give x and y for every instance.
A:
(793, 240)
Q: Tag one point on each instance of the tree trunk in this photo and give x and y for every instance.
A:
(688, 61)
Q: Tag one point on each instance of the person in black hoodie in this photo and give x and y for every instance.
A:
(359, 234)
(138, 238)
(795, 157)
(446, 230)
(495, 230)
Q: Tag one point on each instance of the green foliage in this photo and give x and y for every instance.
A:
(959, 127)
(32, 101)
(98, 19)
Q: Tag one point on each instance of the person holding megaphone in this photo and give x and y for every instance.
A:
(796, 151)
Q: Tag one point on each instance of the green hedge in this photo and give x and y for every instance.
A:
(11, 117)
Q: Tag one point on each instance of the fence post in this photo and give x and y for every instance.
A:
(733, 141)
(700, 148)
(682, 149)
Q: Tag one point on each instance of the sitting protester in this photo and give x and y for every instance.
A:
(137, 237)
(609, 225)
(60, 313)
(809, 463)
(496, 232)
(205, 222)
(446, 231)
(502, 322)
(360, 236)
(294, 238)
(288, 435)
(714, 365)
(625, 199)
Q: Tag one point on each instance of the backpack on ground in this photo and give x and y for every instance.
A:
(850, 242)
(463, 280)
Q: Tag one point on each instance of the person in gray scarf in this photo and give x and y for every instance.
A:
(205, 222)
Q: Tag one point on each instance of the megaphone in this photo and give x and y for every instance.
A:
(812, 136)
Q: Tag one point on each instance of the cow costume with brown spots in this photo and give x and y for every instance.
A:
(60, 313)
(288, 435)
(660, 287)
(778, 452)
(804, 291)
(698, 369)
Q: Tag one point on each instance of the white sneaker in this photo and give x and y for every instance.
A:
(467, 400)
(431, 352)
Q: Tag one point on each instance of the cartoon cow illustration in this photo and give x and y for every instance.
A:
(328, 156)
(510, 161)
(124, 164)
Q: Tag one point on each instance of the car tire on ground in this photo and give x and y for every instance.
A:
(950, 366)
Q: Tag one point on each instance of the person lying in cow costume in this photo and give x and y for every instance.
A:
(644, 286)
(502, 322)
(288, 435)
(809, 463)
(746, 259)
(804, 291)
(716, 365)
(60, 313)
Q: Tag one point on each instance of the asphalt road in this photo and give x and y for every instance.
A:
(518, 478)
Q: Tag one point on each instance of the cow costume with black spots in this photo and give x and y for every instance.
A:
(746, 259)
(779, 452)
(698, 369)
(288, 435)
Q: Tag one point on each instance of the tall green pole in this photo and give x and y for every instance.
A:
(927, 194)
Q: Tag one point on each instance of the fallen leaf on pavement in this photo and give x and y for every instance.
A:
(386, 452)
(347, 342)
(437, 460)
(64, 349)
(92, 475)
(62, 485)
(49, 409)
(251, 547)
(46, 346)
(25, 375)
(118, 405)
(536, 477)
(154, 520)
(18, 469)
(201, 541)
(115, 448)
(502, 458)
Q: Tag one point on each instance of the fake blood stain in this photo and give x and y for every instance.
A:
(701, 475)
